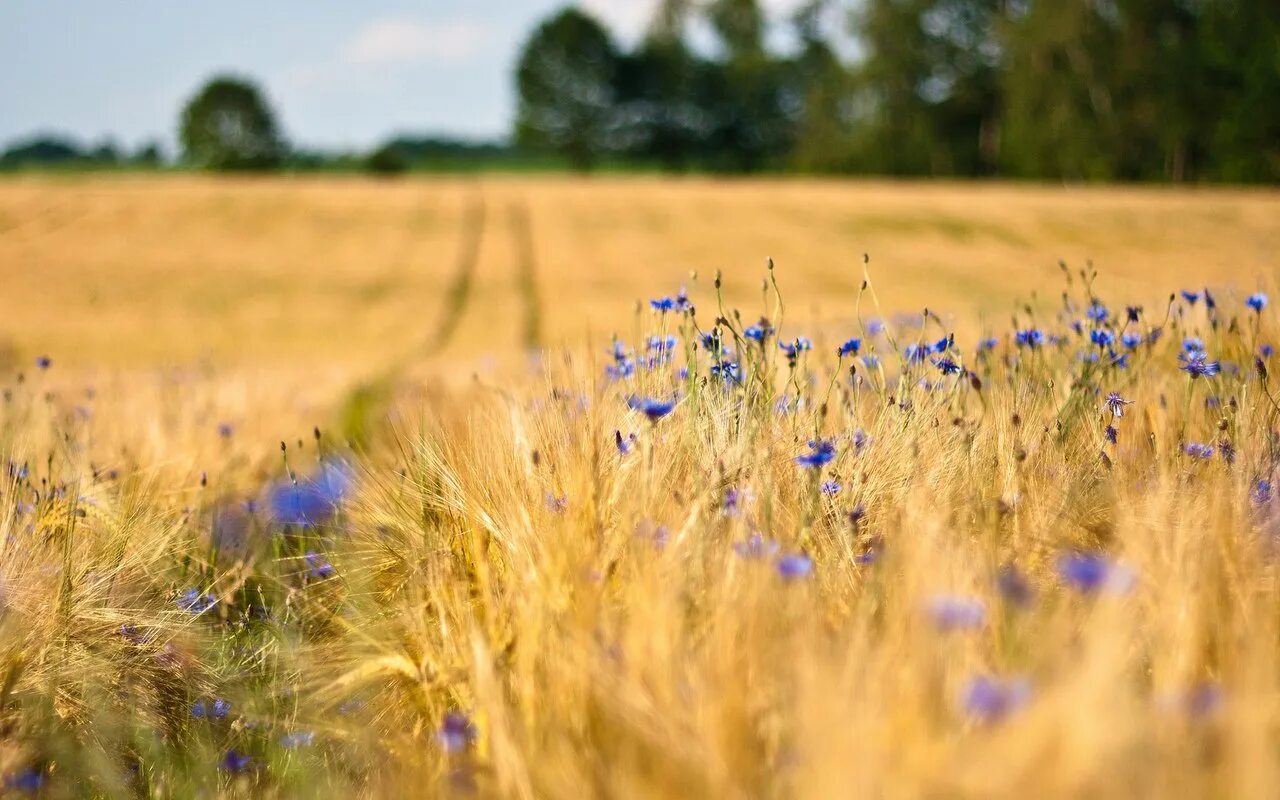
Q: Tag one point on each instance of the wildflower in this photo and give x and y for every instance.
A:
(292, 741)
(955, 613)
(946, 366)
(711, 341)
(456, 732)
(989, 343)
(795, 348)
(1257, 301)
(942, 345)
(821, 452)
(44, 362)
(309, 502)
(990, 699)
(216, 709)
(727, 371)
(624, 445)
(1190, 297)
(225, 430)
(1097, 312)
(1032, 338)
(652, 408)
(756, 547)
(1261, 493)
(734, 498)
(1115, 404)
(1119, 360)
(795, 566)
(860, 439)
(875, 327)
(1197, 365)
(1132, 313)
(318, 567)
(663, 304)
(915, 353)
(620, 370)
(760, 332)
(28, 781)
(1111, 433)
(1102, 337)
(871, 361)
(849, 348)
(1193, 344)
(1013, 587)
(194, 601)
(1203, 699)
(1266, 350)
(1089, 572)
(830, 488)
(235, 762)
(1195, 450)
(662, 344)
(1130, 339)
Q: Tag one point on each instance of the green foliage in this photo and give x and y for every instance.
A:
(229, 126)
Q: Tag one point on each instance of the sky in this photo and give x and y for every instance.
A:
(341, 74)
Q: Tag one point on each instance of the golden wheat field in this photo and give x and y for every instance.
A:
(542, 487)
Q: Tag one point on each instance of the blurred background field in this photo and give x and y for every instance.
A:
(347, 275)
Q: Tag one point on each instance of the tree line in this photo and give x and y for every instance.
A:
(1172, 90)
(1158, 90)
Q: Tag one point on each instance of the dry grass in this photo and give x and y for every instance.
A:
(588, 610)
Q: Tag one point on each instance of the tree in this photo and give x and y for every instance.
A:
(565, 80)
(229, 126)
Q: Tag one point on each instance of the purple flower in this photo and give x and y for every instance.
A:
(44, 362)
(759, 332)
(1130, 339)
(225, 430)
(1190, 297)
(1111, 433)
(947, 366)
(756, 547)
(1115, 404)
(1090, 572)
(235, 762)
(795, 348)
(1261, 493)
(1196, 364)
(292, 741)
(663, 304)
(1195, 450)
(195, 601)
(1032, 338)
(951, 613)
(651, 407)
(830, 488)
(1257, 301)
(1097, 312)
(318, 566)
(821, 452)
(795, 566)
(1102, 337)
(989, 343)
(311, 501)
(1013, 587)
(849, 348)
(990, 699)
(214, 709)
(456, 732)
(28, 781)
(626, 445)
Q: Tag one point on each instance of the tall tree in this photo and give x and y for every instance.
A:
(566, 84)
(229, 126)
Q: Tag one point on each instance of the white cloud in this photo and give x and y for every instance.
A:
(402, 40)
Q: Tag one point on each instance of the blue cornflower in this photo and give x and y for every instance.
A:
(1097, 312)
(795, 566)
(663, 304)
(1130, 339)
(1132, 313)
(1111, 433)
(28, 780)
(849, 348)
(662, 344)
(1261, 493)
(1115, 404)
(624, 445)
(951, 613)
(942, 345)
(989, 343)
(759, 332)
(795, 348)
(1195, 450)
(733, 500)
(225, 430)
(875, 327)
(1203, 699)
(456, 732)
(44, 362)
(235, 761)
(1193, 344)
(292, 741)
(1032, 338)
(1190, 297)
(318, 567)
(727, 371)
(915, 353)
(947, 366)
(1013, 587)
(1119, 360)
(1089, 572)
(1197, 365)
(624, 368)
(860, 439)
(1102, 337)
(215, 709)
(1257, 301)
(1089, 357)
(756, 547)
(310, 501)
(990, 699)
(195, 601)
(821, 452)
(1209, 302)
(830, 488)
(651, 407)
(1077, 325)
(870, 361)
(1266, 350)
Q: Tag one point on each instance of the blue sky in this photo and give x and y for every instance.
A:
(340, 74)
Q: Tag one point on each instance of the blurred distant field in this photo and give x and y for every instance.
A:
(353, 274)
